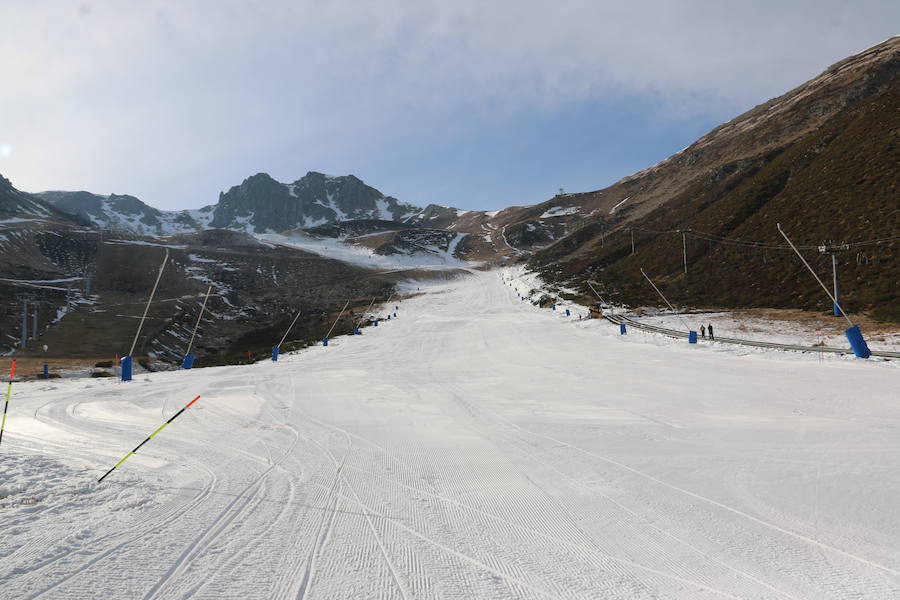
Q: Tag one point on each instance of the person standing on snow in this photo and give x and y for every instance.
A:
(702, 331)
(710, 329)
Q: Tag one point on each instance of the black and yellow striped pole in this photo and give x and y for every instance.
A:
(12, 373)
(149, 437)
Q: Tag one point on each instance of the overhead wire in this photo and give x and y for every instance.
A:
(712, 237)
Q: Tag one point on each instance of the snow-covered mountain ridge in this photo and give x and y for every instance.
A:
(128, 214)
(260, 204)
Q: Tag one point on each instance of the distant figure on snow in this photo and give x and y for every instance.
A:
(710, 329)
(702, 331)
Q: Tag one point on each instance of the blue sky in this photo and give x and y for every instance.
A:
(470, 104)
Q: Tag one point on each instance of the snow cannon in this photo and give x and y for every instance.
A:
(857, 343)
(188, 362)
(275, 352)
(692, 337)
(126, 368)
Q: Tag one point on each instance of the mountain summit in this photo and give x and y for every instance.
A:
(260, 204)
(15, 204)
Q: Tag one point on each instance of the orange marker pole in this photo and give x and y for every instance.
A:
(149, 437)
(12, 373)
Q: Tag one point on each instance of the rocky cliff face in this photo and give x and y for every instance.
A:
(15, 204)
(261, 204)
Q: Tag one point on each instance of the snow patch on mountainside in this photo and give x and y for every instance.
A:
(202, 216)
(429, 257)
(559, 211)
(382, 211)
(614, 208)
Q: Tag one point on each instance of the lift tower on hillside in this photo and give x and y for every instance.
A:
(33, 303)
(834, 250)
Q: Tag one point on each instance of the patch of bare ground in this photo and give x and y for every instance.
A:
(825, 322)
(28, 366)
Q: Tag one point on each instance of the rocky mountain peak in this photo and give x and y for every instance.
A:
(262, 204)
(18, 204)
(259, 204)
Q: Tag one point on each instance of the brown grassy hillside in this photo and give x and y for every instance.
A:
(823, 160)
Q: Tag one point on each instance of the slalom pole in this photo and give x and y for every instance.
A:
(683, 322)
(149, 437)
(824, 287)
(327, 335)
(146, 308)
(12, 373)
(202, 308)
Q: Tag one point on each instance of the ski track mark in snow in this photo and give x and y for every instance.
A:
(147, 525)
(326, 524)
(243, 502)
(645, 521)
(757, 520)
(368, 516)
(368, 511)
(594, 550)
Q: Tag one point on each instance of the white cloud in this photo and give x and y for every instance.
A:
(141, 97)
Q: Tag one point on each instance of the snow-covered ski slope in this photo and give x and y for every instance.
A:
(474, 447)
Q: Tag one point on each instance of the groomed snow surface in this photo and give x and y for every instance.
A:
(474, 447)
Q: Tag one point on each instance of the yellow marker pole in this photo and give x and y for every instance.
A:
(12, 373)
(149, 437)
